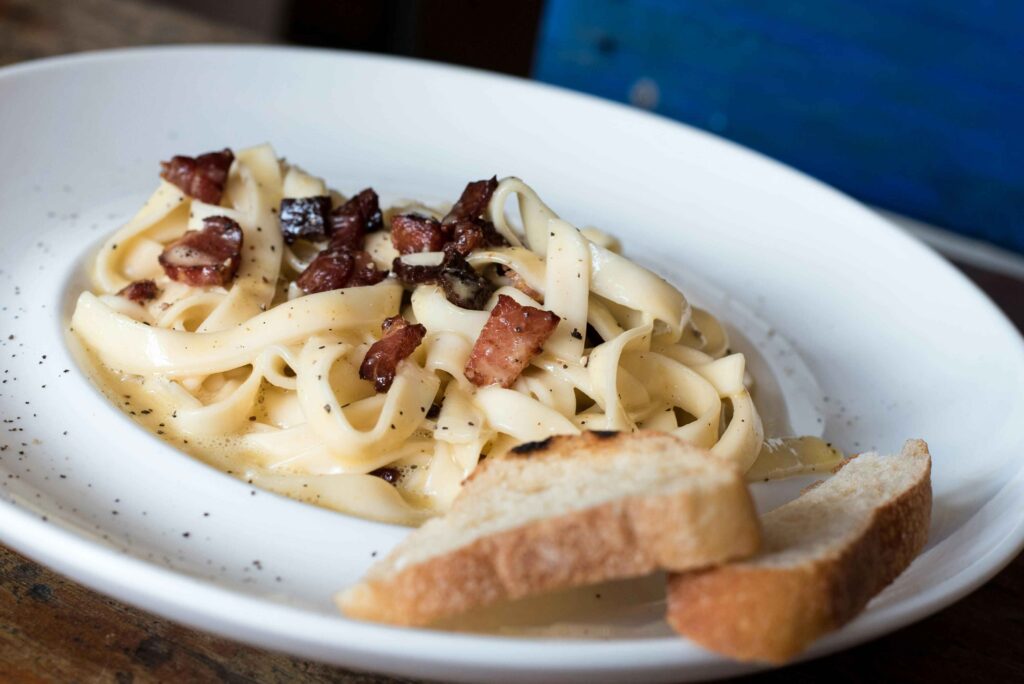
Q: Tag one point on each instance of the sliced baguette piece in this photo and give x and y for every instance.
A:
(824, 556)
(564, 512)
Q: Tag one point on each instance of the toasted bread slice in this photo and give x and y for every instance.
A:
(825, 555)
(563, 512)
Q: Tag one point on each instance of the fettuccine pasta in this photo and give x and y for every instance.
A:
(263, 380)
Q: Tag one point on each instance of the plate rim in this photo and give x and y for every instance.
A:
(203, 604)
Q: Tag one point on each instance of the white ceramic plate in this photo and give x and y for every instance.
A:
(899, 342)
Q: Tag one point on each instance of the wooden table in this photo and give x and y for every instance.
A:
(53, 630)
(30, 29)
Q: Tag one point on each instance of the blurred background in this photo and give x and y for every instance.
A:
(913, 106)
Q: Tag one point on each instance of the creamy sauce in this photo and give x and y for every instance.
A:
(347, 492)
(262, 381)
(359, 494)
(793, 456)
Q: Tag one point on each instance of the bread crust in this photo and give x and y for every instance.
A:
(750, 611)
(622, 538)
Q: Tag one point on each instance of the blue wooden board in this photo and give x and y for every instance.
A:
(912, 105)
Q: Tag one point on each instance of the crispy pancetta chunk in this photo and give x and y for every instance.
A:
(329, 270)
(412, 233)
(348, 234)
(140, 291)
(473, 201)
(333, 269)
(462, 285)
(469, 234)
(465, 237)
(462, 229)
(305, 217)
(364, 270)
(492, 238)
(412, 275)
(382, 358)
(512, 336)
(210, 256)
(201, 177)
(354, 219)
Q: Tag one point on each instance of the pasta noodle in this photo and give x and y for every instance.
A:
(263, 381)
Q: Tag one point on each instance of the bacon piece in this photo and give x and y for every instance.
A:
(512, 336)
(466, 230)
(473, 201)
(329, 270)
(415, 233)
(364, 270)
(305, 217)
(348, 234)
(492, 238)
(354, 219)
(140, 291)
(367, 204)
(201, 177)
(466, 236)
(462, 227)
(469, 234)
(462, 285)
(210, 256)
(411, 275)
(333, 269)
(382, 358)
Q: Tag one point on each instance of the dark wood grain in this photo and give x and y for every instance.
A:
(30, 29)
(53, 630)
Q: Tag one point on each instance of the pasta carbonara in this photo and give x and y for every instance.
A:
(216, 317)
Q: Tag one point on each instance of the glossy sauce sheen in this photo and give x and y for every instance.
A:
(262, 381)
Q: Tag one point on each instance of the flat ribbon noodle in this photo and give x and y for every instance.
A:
(270, 375)
(133, 347)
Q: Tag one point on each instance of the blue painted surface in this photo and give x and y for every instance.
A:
(914, 105)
